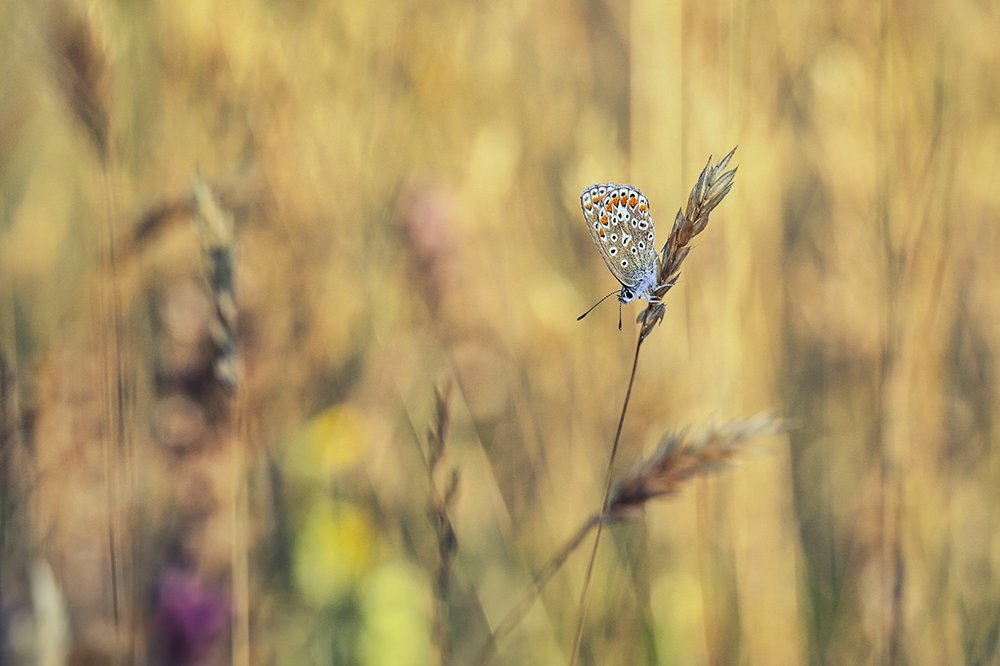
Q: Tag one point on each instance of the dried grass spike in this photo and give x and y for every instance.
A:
(439, 505)
(683, 455)
(216, 230)
(712, 187)
(437, 435)
(82, 70)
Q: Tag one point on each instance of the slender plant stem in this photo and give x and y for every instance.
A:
(600, 514)
(240, 548)
(544, 575)
(115, 400)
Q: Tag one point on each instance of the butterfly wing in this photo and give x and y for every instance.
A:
(619, 222)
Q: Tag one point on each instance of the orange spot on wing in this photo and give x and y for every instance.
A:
(607, 207)
(632, 200)
(604, 219)
(642, 207)
(588, 205)
(600, 232)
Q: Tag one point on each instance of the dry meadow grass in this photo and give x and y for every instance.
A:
(396, 189)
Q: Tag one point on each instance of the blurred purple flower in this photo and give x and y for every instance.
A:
(190, 619)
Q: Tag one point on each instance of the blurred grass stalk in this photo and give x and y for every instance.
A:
(82, 72)
(680, 457)
(439, 503)
(713, 185)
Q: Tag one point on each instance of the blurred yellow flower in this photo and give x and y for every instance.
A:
(332, 551)
(334, 439)
(395, 604)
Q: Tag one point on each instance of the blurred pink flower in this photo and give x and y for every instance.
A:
(190, 619)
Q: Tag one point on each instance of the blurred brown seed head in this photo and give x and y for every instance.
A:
(683, 455)
(82, 70)
(437, 435)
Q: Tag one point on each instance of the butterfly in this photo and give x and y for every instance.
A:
(619, 222)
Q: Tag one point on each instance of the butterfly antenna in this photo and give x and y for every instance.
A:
(598, 303)
(619, 315)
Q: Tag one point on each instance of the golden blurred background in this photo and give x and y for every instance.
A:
(402, 181)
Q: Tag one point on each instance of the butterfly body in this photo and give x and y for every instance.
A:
(619, 222)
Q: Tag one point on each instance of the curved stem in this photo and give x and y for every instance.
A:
(544, 575)
(600, 516)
